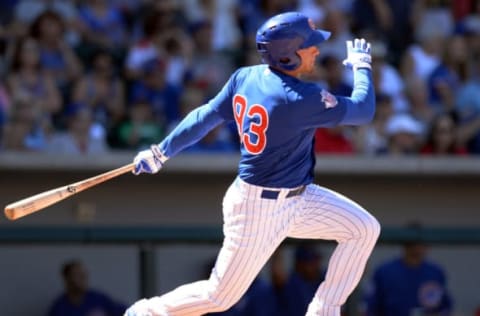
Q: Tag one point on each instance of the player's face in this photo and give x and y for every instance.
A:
(308, 56)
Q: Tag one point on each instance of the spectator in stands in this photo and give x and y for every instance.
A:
(26, 11)
(416, 92)
(189, 37)
(442, 138)
(446, 78)
(27, 128)
(334, 79)
(409, 284)
(433, 16)
(372, 138)
(57, 58)
(101, 90)
(163, 35)
(82, 137)
(102, 26)
(252, 13)
(302, 281)
(217, 140)
(140, 130)
(404, 135)
(315, 9)
(423, 56)
(148, 47)
(468, 109)
(5, 107)
(155, 90)
(178, 54)
(79, 299)
(469, 24)
(7, 36)
(225, 31)
(27, 80)
(387, 78)
(209, 69)
(334, 140)
(337, 23)
(392, 18)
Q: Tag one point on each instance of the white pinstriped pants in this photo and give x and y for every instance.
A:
(254, 227)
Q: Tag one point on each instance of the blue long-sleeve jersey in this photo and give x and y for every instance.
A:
(276, 116)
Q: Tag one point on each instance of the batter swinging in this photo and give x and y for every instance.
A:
(273, 196)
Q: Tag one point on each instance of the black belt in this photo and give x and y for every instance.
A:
(273, 195)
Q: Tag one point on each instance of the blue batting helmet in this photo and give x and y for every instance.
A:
(279, 38)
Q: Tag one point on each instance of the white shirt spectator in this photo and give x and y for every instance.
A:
(424, 63)
(140, 53)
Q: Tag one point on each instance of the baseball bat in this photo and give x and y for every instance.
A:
(42, 200)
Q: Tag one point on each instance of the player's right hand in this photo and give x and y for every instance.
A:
(149, 160)
(358, 54)
(140, 308)
(146, 307)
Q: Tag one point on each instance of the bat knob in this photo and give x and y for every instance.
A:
(9, 213)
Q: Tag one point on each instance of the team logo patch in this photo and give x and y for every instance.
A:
(329, 99)
(430, 294)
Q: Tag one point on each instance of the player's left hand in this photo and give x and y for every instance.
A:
(358, 54)
(149, 160)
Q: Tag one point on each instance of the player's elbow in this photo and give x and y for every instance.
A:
(359, 113)
(367, 109)
(369, 113)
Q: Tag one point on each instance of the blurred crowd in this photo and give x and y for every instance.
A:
(93, 76)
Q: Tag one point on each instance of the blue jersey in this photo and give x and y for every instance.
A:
(398, 290)
(276, 117)
(93, 303)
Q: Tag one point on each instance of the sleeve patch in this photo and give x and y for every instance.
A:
(329, 99)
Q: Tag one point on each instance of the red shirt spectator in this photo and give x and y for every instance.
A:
(332, 141)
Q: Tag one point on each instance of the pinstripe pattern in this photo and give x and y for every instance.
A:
(254, 227)
(329, 215)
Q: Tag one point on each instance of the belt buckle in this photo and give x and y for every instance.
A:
(269, 194)
(273, 195)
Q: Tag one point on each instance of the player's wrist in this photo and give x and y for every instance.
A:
(362, 66)
(158, 154)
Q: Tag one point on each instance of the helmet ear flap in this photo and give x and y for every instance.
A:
(285, 63)
(291, 62)
(281, 53)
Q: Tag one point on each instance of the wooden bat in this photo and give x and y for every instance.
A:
(40, 201)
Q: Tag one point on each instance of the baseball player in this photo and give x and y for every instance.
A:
(273, 197)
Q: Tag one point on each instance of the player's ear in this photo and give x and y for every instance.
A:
(299, 59)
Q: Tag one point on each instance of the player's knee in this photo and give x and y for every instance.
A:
(364, 227)
(218, 301)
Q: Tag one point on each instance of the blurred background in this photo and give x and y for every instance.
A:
(86, 84)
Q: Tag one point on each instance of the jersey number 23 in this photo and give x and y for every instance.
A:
(254, 138)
